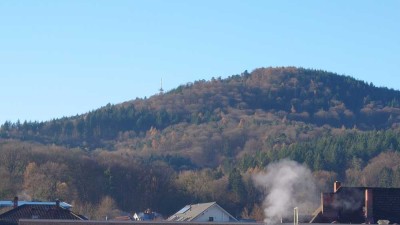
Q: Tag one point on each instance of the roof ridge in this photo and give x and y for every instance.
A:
(211, 204)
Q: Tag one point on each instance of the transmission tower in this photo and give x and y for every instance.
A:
(161, 89)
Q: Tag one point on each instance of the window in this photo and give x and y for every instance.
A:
(210, 218)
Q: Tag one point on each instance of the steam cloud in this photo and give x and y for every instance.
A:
(350, 201)
(287, 184)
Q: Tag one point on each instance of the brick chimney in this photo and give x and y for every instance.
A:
(336, 186)
(15, 202)
(369, 206)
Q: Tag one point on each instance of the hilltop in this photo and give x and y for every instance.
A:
(313, 97)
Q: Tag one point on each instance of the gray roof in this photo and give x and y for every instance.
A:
(191, 212)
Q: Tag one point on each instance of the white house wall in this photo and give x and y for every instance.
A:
(215, 212)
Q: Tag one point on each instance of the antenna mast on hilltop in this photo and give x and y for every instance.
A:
(161, 89)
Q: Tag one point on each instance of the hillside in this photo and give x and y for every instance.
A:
(294, 94)
(216, 132)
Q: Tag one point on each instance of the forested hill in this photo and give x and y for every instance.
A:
(294, 94)
(203, 141)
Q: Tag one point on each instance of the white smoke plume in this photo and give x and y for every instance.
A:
(287, 184)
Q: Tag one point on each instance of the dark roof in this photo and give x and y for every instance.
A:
(7, 223)
(386, 204)
(386, 201)
(28, 211)
(348, 203)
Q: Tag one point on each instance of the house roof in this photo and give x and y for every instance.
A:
(191, 212)
(6, 223)
(11, 203)
(143, 216)
(34, 211)
(122, 218)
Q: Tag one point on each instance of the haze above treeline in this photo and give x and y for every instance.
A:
(217, 133)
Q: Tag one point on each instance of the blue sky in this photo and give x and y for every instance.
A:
(62, 58)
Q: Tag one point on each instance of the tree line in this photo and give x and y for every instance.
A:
(103, 182)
